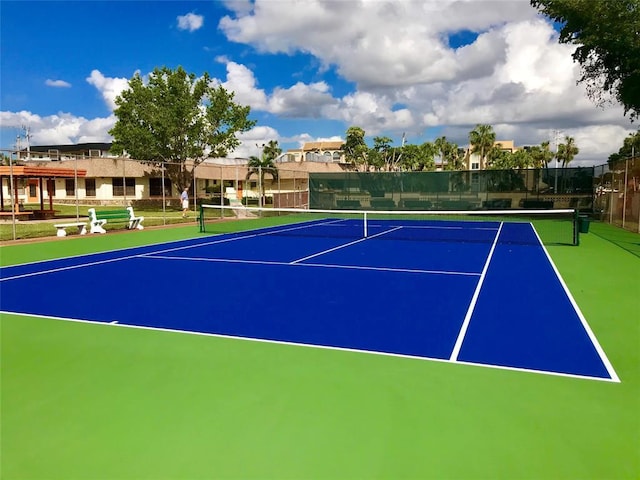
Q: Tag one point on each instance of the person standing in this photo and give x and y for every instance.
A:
(184, 198)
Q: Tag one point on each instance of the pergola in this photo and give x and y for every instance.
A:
(42, 174)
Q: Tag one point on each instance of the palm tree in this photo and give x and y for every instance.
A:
(567, 151)
(272, 149)
(541, 155)
(450, 156)
(261, 166)
(482, 139)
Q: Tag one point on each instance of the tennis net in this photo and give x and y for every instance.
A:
(551, 227)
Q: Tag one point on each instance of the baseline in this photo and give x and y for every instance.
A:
(116, 324)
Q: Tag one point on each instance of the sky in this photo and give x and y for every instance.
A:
(309, 69)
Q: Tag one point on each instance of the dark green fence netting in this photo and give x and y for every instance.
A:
(454, 190)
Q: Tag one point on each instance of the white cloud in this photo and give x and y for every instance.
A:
(110, 88)
(242, 81)
(252, 141)
(511, 73)
(63, 128)
(57, 83)
(190, 21)
(372, 43)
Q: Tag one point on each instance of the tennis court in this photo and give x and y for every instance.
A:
(475, 292)
(356, 377)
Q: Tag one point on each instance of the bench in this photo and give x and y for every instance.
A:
(97, 219)
(62, 232)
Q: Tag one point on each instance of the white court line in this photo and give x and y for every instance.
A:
(436, 227)
(115, 324)
(141, 255)
(70, 267)
(242, 237)
(603, 356)
(343, 246)
(317, 265)
(474, 300)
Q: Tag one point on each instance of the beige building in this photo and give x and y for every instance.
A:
(472, 161)
(324, 152)
(121, 181)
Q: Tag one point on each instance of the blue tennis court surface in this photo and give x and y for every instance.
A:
(478, 293)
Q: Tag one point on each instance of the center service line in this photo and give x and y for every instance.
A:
(474, 300)
(343, 246)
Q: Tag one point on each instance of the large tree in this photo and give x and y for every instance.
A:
(607, 33)
(630, 149)
(176, 120)
(355, 149)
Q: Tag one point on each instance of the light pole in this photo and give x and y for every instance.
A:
(556, 134)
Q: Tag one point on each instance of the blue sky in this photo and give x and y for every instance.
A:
(308, 69)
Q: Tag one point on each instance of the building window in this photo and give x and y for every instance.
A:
(90, 187)
(155, 187)
(70, 187)
(475, 166)
(119, 189)
(336, 156)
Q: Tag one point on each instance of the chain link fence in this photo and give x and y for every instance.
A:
(48, 189)
(617, 193)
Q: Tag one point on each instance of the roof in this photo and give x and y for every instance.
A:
(76, 147)
(44, 172)
(334, 145)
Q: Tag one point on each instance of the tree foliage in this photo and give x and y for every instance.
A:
(355, 149)
(175, 117)
(451, 158)
(607, 33)
(567, 151)
(630, 149)
(541, 155)
(418, 158)
(481, 139)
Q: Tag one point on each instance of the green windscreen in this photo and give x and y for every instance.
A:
(559, 188)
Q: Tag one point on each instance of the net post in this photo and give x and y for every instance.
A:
(201, 219)
(576, 227)
(364, 221)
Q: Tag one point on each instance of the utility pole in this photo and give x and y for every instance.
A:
(556, 139)
(27, 136)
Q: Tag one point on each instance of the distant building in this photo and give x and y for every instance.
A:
(123, 180)
(66, 152)
(325, 152)
(472, 161)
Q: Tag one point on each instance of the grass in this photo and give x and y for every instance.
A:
(38, 229)
(101, 402)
